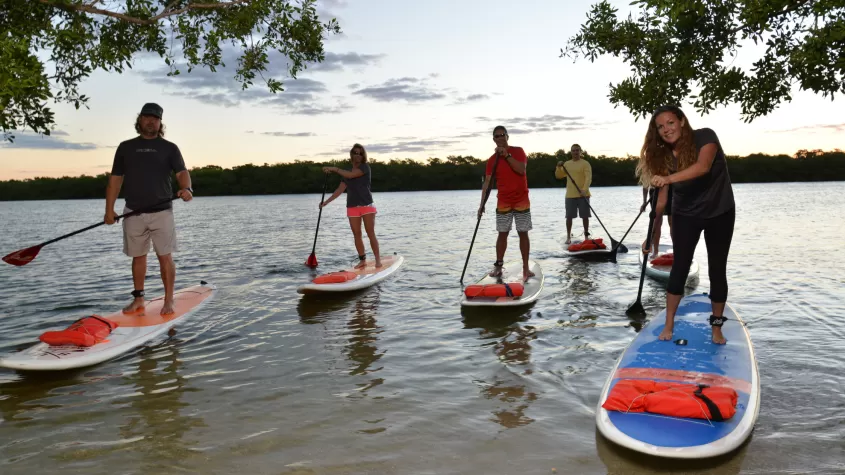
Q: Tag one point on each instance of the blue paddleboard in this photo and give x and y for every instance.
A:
(700, 361)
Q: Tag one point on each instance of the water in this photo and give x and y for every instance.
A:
(397, 379)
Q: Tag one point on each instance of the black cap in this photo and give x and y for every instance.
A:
(152, 109)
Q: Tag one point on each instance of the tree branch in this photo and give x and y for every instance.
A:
(90, 8)
(772, 16)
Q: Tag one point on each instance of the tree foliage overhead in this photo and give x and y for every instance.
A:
(48, 47)
(674, 46)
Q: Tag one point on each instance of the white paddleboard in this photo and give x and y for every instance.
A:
(588, 252)
(511, 272)
(133, 331)
(365, 276)
(661, 273)
(689, 358)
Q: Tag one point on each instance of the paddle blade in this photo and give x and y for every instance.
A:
(635, 309)
(22, 257)
(311, 261)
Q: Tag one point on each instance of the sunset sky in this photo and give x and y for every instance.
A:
(407, 80)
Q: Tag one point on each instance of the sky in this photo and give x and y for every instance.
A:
(406, 80)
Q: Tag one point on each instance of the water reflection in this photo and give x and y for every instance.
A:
(23, 399)
(160, 414)
(622, 461)
(510, 339)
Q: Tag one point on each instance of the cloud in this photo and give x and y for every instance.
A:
(413, 90)
(814, 128)
(339, 61)
(544, 123)
(287, 134)
(302, 96)
(33, 141)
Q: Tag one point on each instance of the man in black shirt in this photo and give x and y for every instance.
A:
(142, 166)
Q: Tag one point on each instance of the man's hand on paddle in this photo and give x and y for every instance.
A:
(110, 216)
(480, 211)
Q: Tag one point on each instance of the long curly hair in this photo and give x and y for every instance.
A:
(656, 156)
(138, 126)
(363, 152)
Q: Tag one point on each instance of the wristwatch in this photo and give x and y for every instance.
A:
(191, 190)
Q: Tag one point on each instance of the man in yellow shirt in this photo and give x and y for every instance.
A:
(577, 202)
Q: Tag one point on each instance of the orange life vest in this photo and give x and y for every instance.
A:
(494, 290)
(588, 245)
(672, 399)
(87, 331)
(335, 277)
(664, 260)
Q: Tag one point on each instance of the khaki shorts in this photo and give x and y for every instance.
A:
(140, 229)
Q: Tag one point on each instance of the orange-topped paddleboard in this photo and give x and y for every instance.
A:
(133, 330)
(354, 278)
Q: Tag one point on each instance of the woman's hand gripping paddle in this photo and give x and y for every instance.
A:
(637, 307)
(25, 256)
(312, 259)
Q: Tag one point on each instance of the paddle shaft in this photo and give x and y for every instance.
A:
(630, 227)
(483, 204)
(320, 214)
(588, 204)
(125, 215)
(650, 232)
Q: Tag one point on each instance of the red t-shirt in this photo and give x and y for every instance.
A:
(513, 187)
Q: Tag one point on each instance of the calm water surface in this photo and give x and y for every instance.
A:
(398, 379)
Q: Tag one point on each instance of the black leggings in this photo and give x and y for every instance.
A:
(718, 233)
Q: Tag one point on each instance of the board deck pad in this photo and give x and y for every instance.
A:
(511, 272)
(366, 276)
(700, 361)
(133, 331)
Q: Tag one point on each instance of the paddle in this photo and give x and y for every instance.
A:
(637, 307)
(483, 203)
(613, 243)
(25, 256)
(629, 229)
(312, 259)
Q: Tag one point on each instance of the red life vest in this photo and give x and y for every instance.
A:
(588, 245)
(335, 277)
(494, 290)
(87, 331)
(715, 403)
(663, 260)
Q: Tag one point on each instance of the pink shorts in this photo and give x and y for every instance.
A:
(358, 211)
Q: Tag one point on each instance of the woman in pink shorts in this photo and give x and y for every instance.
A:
(359, 201)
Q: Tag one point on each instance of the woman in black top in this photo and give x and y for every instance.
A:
(359, 201)
(702, 200)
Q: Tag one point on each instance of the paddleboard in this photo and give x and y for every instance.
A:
(133, 331)
(511, 272)
(364, 277)
(588, 252)
(699, 361)
(661, 273)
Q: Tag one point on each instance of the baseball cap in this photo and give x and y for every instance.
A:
(152, 109)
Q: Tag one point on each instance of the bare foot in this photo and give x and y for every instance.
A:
(136, 306)
(718, 338)
(378, 263)
(496, 272)
(167, 308)
(526, 274)
(568, 240)
(361, 264)
(666, 334)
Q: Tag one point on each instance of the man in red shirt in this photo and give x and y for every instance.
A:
(512, 196)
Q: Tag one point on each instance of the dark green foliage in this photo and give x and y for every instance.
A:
(454, 173)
